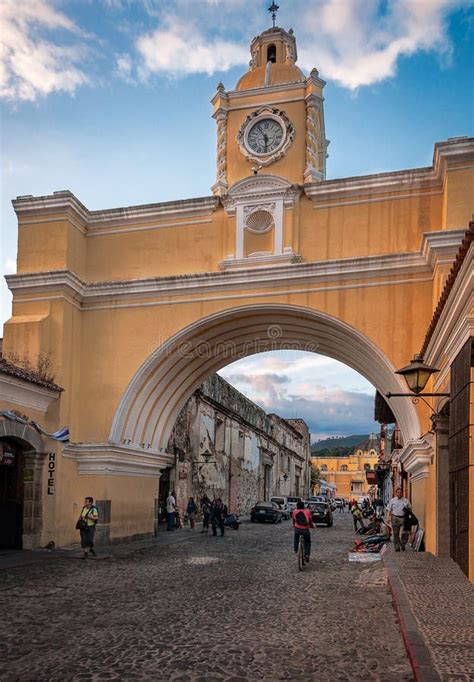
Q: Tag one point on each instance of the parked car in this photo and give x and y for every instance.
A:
(266, 511)
(339, 502)
(321, 512)
(291, 502)
(283, 504)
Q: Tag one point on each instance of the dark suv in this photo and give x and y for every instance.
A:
(321, 512)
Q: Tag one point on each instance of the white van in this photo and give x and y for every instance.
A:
(291, 502)
(282, 502)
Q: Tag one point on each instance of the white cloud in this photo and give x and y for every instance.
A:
(124, 67)
(332, 398)
(180, 49)
(10, 266)
(31, 66)
(351, 42)
(358, 44)
(327, 411)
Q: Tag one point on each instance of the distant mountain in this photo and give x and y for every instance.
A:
(337, 447)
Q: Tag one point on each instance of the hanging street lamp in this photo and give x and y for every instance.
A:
(416, 375)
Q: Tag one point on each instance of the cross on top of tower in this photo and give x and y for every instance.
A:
(273, 9)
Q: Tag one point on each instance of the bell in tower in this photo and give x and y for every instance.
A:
(273, 119)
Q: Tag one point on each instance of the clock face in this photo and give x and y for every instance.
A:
(265, 136)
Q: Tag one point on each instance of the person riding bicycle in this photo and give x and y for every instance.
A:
(302, 522)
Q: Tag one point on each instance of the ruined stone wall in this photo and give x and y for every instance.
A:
(228, 447)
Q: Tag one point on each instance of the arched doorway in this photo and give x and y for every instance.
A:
(22, 455)
(154, 397)
(12, 464)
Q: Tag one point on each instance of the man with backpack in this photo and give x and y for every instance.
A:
(88, 519)
(302, 522)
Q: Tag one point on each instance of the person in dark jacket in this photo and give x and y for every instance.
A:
(218, 514)
(206, 513)
(191, 510)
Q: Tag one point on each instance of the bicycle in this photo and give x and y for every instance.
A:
(301, 555)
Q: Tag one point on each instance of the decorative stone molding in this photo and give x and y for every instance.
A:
(279, 261)
(151, 403)
(220, 187)
(268, 193)
(353, 190)
(23, 432)
(259, 219)
(118, 460)
(456, 322)
(416, 457)
(86, 296)
(30, 209)
(26, 394)
(316, 143)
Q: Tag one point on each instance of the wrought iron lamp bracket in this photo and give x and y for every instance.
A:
(417, 397)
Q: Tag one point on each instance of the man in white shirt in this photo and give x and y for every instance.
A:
(396, 510)
(170, 511)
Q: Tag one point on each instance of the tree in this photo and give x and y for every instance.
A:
(315, 474)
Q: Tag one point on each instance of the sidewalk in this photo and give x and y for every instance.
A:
(11, 559)
(435, 605)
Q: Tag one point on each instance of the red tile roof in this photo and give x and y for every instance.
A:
(26, 375)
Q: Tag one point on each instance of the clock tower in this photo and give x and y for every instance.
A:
(273, 121)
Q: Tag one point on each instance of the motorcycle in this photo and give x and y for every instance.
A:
(232, 521)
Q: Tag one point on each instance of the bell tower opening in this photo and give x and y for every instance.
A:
(272, 54)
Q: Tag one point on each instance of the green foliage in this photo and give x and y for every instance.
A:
(337, 447)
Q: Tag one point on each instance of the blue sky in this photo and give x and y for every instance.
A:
(110, 98)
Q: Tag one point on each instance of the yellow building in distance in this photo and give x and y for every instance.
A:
(137, 306)
(348, 473)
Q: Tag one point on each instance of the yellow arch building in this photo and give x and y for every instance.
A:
(348, 473)
(137, 305)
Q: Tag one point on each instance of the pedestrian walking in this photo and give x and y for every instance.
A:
(170, 511)
(191, 510)
(357, 516)
(86, 524)
(206, 513)
(218, 514)
(341, 506)
(396, 509)
(378, 504)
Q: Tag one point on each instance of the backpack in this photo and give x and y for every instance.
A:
(301, 518)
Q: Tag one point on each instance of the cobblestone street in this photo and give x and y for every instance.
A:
(204, 608)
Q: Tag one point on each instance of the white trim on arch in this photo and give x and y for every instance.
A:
(161, 386)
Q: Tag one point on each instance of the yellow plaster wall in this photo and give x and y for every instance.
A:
(26, 336)
(370, 228)
(459, 192)
(157, 252)
(52, 245)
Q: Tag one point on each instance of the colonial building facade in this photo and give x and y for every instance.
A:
(349, 474)
(228, 447)
(137, 306)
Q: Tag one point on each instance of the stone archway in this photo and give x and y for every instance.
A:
(151, 403)
(34, 454)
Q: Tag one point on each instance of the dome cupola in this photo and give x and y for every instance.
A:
(273, 60)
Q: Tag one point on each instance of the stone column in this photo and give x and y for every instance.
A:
(220, 187)
(441, 430)
(33, 498)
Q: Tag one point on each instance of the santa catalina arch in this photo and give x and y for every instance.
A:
(138, 305)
